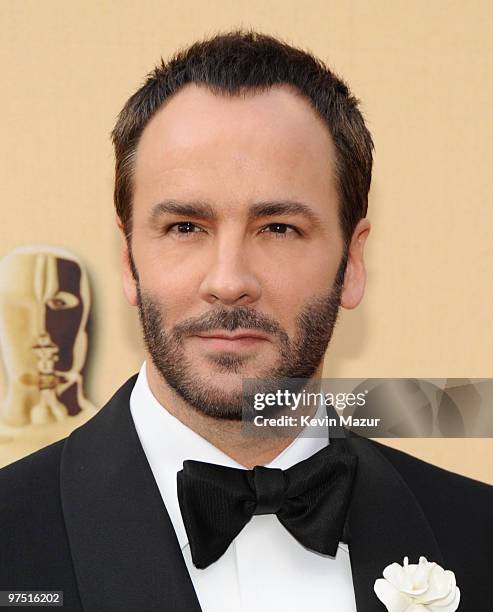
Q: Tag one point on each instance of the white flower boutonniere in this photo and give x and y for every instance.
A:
(417, 587)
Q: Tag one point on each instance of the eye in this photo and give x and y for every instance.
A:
(183, 228)
(62, 301)
(281, 230)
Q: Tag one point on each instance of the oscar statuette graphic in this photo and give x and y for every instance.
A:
(44, 314)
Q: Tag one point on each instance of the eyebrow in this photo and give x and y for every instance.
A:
(202, 210)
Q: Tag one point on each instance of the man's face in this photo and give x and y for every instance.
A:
(235, 234)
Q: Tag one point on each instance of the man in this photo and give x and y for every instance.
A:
(242, 174)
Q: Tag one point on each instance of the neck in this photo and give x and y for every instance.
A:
(227, 436)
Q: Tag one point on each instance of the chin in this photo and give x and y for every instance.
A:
(222, 383)
(228, 376)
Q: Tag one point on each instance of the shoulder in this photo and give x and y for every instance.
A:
(429, 477)
(450, 501)
(30, 487)
(30, 490)
(25, 477)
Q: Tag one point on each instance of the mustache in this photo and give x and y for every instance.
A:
(243, 317)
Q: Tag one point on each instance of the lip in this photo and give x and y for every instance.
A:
(239, 341)
(234, 336)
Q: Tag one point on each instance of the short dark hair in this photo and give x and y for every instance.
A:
(242, 61)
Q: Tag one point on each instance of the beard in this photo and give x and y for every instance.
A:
(298, 359)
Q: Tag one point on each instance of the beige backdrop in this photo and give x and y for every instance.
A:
(423, 70)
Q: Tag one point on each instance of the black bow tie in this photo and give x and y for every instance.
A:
(310, 499)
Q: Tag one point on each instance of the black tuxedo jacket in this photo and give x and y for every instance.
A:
(84, 515)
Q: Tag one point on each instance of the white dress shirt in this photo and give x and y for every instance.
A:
(264, 569)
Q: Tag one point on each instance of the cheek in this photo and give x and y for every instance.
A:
(176, 290)
(63, 325)
(18, 333)
(288, 289)
(300, 278)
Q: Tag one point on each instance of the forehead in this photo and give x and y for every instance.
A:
(201, 142)
(38, 274)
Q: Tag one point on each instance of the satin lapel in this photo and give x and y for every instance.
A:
(125, 552)
(386, 523)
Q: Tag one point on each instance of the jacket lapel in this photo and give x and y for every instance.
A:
(386, 523)
(125, 552)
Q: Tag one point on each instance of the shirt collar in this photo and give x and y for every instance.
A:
(167, 442)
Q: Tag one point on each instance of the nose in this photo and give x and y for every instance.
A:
(45, 285)
(229, 278)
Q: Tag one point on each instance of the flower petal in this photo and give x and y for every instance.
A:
(395, 574)
(449, 607)
(391, 597)
(416, 578)
(442, 587)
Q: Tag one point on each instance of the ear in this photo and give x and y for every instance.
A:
(355, 276)
(128, 280)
